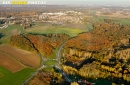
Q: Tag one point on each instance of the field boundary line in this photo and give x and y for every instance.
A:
(18, 60)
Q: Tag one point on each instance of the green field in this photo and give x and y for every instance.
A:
(45, 28)
(48, 69)
(114, 20)
(69, 31)
(122, 21)
(6, 33)
(50, 62)
(53, 55)
(97, 19)
(9, 78)
(1, 75)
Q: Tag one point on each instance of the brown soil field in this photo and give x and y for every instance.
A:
(9, 63)
(25, 57)
(37, 81)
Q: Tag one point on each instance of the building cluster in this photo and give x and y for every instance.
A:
(26, 22)
(54, 17)
(62, 17)
(109, 11)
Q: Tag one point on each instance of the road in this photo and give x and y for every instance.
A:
(63, 74)
(58, 57)
(58, 54)
(38, 69)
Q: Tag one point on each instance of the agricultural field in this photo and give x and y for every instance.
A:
(10, 63)
(6, 33)
(46, 28)
(114, 20)
(17, 78)
(14, 64)
(1, 75)
(25, 57)
(122, 21)
(114, 15)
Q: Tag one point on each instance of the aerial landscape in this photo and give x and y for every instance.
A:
(54, 42)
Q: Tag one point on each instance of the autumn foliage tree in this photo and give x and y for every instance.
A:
(43, 44)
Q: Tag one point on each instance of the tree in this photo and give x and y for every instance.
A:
(74, 83)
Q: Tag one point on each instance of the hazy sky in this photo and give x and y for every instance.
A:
(81, 1)
(89, 1)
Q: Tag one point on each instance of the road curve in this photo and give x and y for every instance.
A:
(58, 54)
(58, 57)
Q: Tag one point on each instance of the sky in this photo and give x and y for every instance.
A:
(89, 1)
(80, 1)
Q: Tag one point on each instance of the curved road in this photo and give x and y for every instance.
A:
(58, 57)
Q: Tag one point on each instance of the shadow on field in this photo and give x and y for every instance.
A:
(37, 34)
(1, 35)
